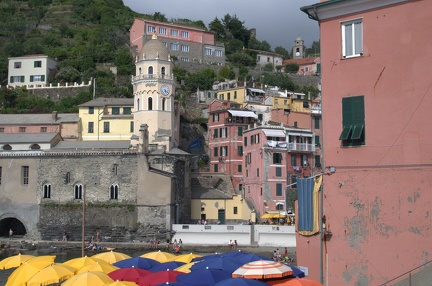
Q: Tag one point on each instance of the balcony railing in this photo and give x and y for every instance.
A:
(151, 76)
(292, 146)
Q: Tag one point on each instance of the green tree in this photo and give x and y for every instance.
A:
(314, 50)
(281, 50)
(202, 80)
(291, 68)
(218, 28)
(232, 46)
(257, 45)
(158, 16)
(278, 79)
(225, 73)
(268, 67)
(242, 59)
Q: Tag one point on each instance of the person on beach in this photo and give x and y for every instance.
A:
(64, 236)
(10, 233)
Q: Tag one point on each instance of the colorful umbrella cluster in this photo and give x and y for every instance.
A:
(154, 268)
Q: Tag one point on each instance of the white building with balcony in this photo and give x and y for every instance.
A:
(30, 71)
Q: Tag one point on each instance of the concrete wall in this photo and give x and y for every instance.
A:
(262, 235)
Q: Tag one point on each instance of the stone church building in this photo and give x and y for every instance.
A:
(124, 190)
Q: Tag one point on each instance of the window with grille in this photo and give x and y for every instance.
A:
(46, 189)
(114, 190)
(78, 192)
(25, 172)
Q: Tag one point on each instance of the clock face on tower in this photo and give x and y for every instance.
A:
(165, 90)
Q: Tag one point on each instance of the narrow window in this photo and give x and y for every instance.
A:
(25, 174)
(240, 150)
(1, 173)
(293, 160)
(114, 189)
(131, 127)
(278, 171)
(150, 70)
(46, 189)
(353, 121)
(352, 39)
(106, 127)
(91, 110)
(239, 168)
(163, 103)
(240, 131)
(90, 127)
(215, 151)
(278, 190)
(235, 210)
(78, 192)
(277, 158)
(150, 103)
(317, 123)
(216, 167)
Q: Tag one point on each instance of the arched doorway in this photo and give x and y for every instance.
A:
(15, 224)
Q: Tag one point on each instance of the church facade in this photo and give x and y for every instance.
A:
(125, 189)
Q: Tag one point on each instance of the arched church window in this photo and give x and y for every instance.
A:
(35, 147)
(114, 190)
(163, 103)
(150, 71)
(150, 103)
(7, 147)
(163, 72)
(138, 104)
(78, 191)
(46, 191)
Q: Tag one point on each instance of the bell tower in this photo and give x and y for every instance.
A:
(154, 89)
(299, 49)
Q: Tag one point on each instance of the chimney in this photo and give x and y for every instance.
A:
(144, 138)
(54, 116)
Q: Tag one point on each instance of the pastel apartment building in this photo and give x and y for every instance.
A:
(106, 119)
(31, 70)
(225, 138)
(274, 157)
(374, 208)
(187, 44)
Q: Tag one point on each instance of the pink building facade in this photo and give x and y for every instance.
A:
(225, 139)
(376, 95)
(274, 157)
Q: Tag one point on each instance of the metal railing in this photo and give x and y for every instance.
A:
(413, 277)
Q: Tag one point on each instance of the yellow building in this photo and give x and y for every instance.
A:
(214, 199)
(106, 119)
(300, 102)
(281, 102)
(242, 95)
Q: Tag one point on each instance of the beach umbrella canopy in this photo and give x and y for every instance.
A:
(102, 267)
(244, 258)
(170, 265)
(296, 271)
(223, 263)
(240, 282)
(121, 283)
(14, 261)
(186, 258)
(137, 262)
(81, 262)
(23, 273)
(185, 268)
(159, 256)
(172, 284)
(159, 277)
(294, 282)
(111, 257)
(262, 269)
(52, 274)
(90, 278)
(214, 255)
(207, 276)
(128, 274)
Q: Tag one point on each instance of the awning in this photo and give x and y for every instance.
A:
(300, 134)
(256, 90)
(240, 113)
(273, 215)
(274, 133)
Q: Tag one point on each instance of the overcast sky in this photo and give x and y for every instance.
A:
(279, 22)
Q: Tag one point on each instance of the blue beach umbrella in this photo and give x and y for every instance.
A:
(240, 282)
(203, 277)
(249, 257)
(138, 262)
(171, 265)
(226, 264)
(296, 271)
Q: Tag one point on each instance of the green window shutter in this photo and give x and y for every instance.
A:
(357, 132)
(278, 190)
(294, 160)
(31, 78)
(215, 133)
(216, 167)
(42, 77)
(11, 79)
(235, 94)
(240, 150)
(278, 172)
(215, 151)
(345, 132)
(208, 94)
(260, 117)
(245, 141)
(317, 123)
(240, 131)
(239, 168)
(317, 140)
(318, 68)
(22, 78)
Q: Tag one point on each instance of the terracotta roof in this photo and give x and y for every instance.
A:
(300, 62)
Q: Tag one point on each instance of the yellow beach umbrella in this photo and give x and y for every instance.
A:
(14, 261)
(111, 257)
(90, 278)
(103, 267)
(185, 268)
(81, 262)
(22, 274)
(52, 274)
(186, 258)
(121, 283)
(160, 256)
